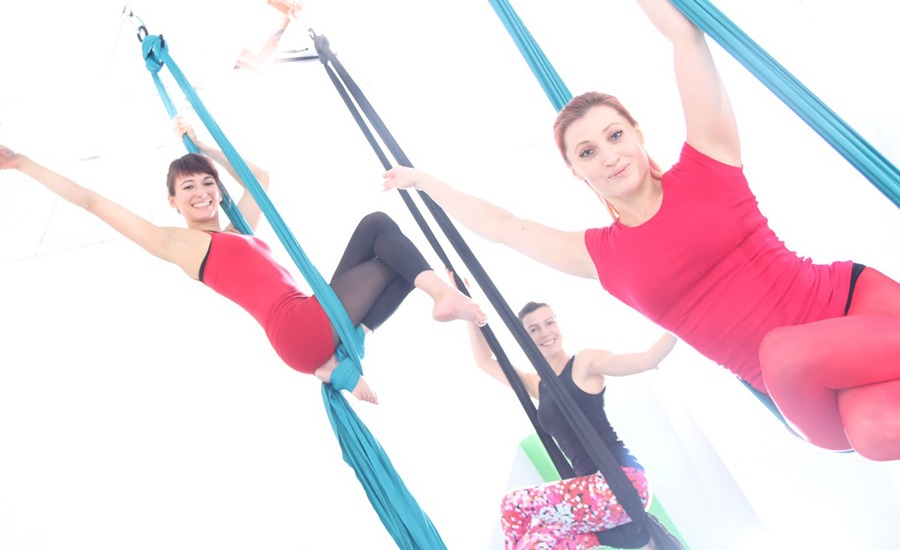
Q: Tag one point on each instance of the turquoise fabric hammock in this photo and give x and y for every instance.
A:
(398, 510)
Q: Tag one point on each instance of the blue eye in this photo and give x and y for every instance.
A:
(586, 153)
(616, 135)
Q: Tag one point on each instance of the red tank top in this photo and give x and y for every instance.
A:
(708, 268)
(242, 269)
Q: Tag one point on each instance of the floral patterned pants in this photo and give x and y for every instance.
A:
(564, 514)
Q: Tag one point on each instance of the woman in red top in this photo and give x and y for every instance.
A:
(690, 250)
(380, 266)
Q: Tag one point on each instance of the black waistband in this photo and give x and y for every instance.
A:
(854, 275)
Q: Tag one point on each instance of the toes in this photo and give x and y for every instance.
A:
(479, 318)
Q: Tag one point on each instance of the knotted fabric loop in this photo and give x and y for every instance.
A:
(150, 46)
(345, 375)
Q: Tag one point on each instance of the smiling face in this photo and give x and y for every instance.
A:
(544, 331)
(193, 185)
(196, 197)
(606, 150)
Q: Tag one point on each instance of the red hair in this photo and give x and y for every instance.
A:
(575, 110)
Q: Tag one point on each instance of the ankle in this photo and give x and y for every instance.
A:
(324, 372)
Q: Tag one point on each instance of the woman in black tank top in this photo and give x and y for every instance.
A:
(581, 510)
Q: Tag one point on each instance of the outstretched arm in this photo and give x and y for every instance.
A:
(484, 358)
(604, 363)
(247, 204)
(709, 119)
(169, 243)
(561, 250)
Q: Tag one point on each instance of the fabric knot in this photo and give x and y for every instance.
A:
(346, 374)
(150, 46)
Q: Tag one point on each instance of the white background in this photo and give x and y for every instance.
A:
(139, 410)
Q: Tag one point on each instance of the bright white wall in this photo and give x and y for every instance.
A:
(138, 411)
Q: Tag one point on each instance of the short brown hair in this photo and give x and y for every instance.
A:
(191, 163)
(530, 307)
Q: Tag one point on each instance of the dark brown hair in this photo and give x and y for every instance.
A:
(530, 307)
(190, 164)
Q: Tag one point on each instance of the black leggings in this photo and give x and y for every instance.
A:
(376, 272)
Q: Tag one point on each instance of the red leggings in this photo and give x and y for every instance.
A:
(837, 381)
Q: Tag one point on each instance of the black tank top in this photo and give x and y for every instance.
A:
(553, 422)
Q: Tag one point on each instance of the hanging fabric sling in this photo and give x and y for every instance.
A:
(407, 524)
(602, 457)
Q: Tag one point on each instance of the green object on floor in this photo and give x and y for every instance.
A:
(538, 456)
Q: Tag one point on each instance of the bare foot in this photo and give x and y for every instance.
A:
(453, 305)
(323, 373)
(363, 392)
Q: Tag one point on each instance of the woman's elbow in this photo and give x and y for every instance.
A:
(686, 34)
(88, 200)
(650, 361)
(644, 366)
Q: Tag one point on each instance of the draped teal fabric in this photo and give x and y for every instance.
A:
(547, 77)
(409, 526)
(872, 164)
(840, 135)
(154, 65)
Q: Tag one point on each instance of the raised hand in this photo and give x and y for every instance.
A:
(402, 177)
(183, 128)
(9, 159)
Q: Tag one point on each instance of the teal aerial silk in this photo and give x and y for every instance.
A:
(398, 510)
(547, 77)
(871, 163)
(840, 135)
